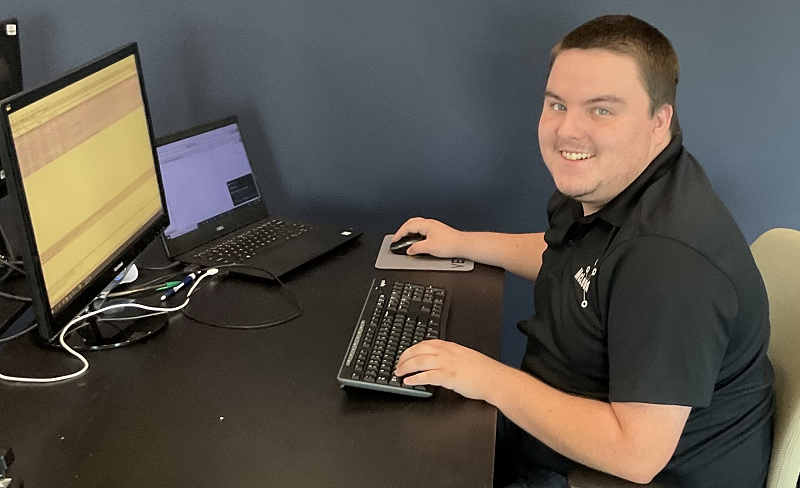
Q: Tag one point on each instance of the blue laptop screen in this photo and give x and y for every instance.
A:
(205, 177)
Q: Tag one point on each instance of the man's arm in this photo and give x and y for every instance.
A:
(629, 440)
(520, 254)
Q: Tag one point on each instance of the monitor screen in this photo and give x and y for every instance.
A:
(81, 163)
(214, 160)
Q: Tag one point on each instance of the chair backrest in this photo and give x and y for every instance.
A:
(777, 254)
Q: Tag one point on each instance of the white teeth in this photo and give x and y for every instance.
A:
(573, 156)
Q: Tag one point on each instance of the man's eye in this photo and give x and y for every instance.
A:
(601, 111)
(558, 106)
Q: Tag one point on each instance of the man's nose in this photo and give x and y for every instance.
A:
(572, 126)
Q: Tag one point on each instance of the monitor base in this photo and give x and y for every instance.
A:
(118, 328)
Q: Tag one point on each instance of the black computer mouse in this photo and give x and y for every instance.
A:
(405, 242)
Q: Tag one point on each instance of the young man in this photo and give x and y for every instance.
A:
(647, 353)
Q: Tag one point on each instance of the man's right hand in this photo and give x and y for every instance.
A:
(440, 240)
(520, 254)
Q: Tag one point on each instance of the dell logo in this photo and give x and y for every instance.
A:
(221, 227)
(117, 267)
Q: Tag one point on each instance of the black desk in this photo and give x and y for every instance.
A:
(201, 406)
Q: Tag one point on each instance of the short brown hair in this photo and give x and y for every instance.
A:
(652, 51)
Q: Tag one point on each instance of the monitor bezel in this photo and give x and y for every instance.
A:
(50, 324)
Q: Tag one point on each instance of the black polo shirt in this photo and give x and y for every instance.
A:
(656, 298)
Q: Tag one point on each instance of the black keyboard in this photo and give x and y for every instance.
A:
(241, 247)
(396, 315)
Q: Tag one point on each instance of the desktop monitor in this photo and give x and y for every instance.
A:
(82, 171)
(10, 70)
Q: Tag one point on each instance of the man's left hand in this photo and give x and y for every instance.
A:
(453, 366)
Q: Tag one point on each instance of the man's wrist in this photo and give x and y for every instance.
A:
(461, 245)
(506, 383)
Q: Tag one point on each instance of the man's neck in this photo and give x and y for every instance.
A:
(590, 207)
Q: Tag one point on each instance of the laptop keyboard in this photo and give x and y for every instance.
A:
(395, 316)
(243, 246)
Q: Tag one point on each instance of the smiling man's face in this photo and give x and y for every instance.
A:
(596, 133)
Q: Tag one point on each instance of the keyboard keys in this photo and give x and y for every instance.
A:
(243, 245)
(396, 315)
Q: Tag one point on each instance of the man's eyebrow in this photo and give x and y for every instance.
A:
(600, 99)
(549, 94)
(606, 99)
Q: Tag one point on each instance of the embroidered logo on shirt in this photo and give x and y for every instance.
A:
(584, 279)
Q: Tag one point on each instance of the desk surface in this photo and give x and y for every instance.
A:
(204, 406)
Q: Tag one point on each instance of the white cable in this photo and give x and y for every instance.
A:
(63, 334)
(129, 318)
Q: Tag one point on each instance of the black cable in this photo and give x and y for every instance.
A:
(10, 251)
(161, 268)
(133, 291)
(163, 278)
(6, 241)
(259, 325)
(14, 297)
(8, 273)
(18, 334)
(12, 265)
(150, 285)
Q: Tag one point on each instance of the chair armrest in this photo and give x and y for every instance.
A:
(584, 477)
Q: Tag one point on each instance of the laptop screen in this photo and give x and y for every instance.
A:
(206, 176)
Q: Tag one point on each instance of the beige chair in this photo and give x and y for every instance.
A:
(777, 254)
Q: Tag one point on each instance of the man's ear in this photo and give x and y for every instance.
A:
(661, 122)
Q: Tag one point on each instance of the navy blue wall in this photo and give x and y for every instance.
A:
(368, 112)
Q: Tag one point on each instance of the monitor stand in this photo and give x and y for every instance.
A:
(113, 330)
(116, 328)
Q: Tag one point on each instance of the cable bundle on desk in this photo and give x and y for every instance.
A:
(62, 335)
(151, 286)
(157, 284)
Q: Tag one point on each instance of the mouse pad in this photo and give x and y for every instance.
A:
(389, 260)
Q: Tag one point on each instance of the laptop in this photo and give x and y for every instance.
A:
(217, 214)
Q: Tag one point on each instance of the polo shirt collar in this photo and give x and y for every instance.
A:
(618, 209)
(563, 211)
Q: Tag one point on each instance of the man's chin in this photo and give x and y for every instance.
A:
(579, 194)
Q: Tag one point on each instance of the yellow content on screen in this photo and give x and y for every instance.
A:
(88, 174)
